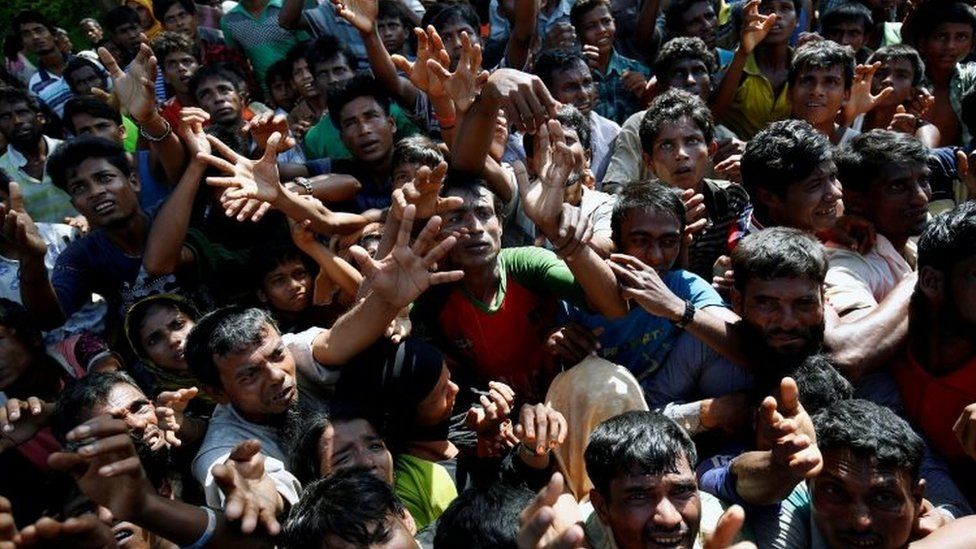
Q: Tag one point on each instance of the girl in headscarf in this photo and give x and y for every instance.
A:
(150, 25)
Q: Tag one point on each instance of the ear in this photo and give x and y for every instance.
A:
(737, 301)
(649, 162)
(918, 492)
(712, 148)
(217, 394)
(600, 505)
(408, 520)
(262, 297)
(393, 126)
(589, 180)
(134, 179)
(931, 282)
(768, 198)
(122, 132)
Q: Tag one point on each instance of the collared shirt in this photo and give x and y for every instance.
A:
(324, 19)
(50, 88)
(855, 281)
(44, 202)
(264, 42)
(602, 133)
(616, 103)
(755, 104)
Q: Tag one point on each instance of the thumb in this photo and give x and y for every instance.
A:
(245, 450)
(885, 93)
(962, 164)
(789, 402)
(401, 63)
(271, 149)
(363, 259)
(900, 109)
(16, 197)
(727, 528)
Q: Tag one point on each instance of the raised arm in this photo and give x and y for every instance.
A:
(330, 265)
(290, 16)
(646, 30)
(755, 27)
(391, 284)
(519, 48)
(460, 87)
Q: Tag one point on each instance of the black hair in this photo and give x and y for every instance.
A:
(897, 52)
(92, 106)
(797, 6)
(353, 505)
(14, 317)
(279, 70)
(859, 163)
(361, 85)
(79, 62)
(466, 182)
(305, 459)
(31, 16)
(297, 52)
(581, 8)
(949, 238)
(778, 252)
(462, 12)
(119, 16)
(669, 108)
(922, 23)
(160, 7)
(820, 384)
(392, 9)
(71, 154)
(673, 15)
(483, 518)
(81, 396)
(823, 54)
(650, 195)
(135, 318)
(169, 42)
(782, 153)
(326, 48)
(219, 72)
(681, 49)
(550, 61)
(228, 330)
(870, 431)
(277, 255)
(647, 442)
(4, 183)
(417, 149)
(847, 11)
(571, 119)
(12, 96)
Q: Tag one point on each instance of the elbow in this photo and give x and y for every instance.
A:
(157, 267)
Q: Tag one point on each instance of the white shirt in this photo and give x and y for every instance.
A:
(855, 281)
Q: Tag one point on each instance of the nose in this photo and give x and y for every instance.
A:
(681, 151)
(666, 516)
(275, 374)
(921, 194)
(862, 518)
(655, 256)
(787, 319)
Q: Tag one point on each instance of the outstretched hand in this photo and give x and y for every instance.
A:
(786, 428)
(424, 193)
(248, 179)
(264, 125)
(191, 132)
(361, 14)
(642, 284)
(170, 406)
(728, 527)
(755, 26)
(20, 420)
(407, 271)
(547, 523)
(430, 47)
(17, 227)
(251, 495)
(465, 83)
(862, 100)
(135, 88)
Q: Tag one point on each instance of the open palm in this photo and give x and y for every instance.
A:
(134, 88)
(359, 13)
(255, 179)
(464, 84)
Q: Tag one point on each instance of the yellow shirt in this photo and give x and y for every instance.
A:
(755, 105)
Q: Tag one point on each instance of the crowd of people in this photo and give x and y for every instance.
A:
(542, 274)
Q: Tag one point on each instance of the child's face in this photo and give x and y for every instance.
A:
(287, 288)
(404, 173)
(847, 33)
(818, 94)
(597, 28)
(897, 74)
(451, 35)
(946, 46)
(392, 33)
(785, 22)
(282, 92)
(680, 154)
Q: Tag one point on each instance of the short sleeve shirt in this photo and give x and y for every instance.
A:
(756, 104)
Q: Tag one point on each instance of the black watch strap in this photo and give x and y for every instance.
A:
(687, 317)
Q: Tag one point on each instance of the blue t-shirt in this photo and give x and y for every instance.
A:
(641, 341)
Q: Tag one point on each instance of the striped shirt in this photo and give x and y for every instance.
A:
(51, 89)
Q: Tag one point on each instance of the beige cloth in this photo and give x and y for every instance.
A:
(588, 394)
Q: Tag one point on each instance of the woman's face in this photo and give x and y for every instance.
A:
(437, 406)
(163, 335)
(354, 443)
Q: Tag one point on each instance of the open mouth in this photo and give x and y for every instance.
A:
(104, 207)
(862, 541)
(667, 541)
(478, 247)
(123, 534)
(682, 170)
(370, 146)
(285, 395)
(826, 212)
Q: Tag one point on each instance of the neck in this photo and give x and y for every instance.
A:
(435, 450)
(940, 77)
(53, 62)
(827, 128)
(35, 151)
(130, 235)
(773, 55)
(941, 350)
(382, 168)
(898, 242)
(483, 284)
(254, 5)
(317, 104)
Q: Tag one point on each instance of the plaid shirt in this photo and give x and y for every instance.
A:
(616, 103)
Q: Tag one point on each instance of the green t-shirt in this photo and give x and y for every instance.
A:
(322, 140)
(424, 487)
(131, 142)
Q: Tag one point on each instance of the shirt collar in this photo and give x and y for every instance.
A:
(19, 160)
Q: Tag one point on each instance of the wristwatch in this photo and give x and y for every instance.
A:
(304, 183)
(687, 317)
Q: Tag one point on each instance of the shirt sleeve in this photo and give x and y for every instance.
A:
(300, 345)
(695, 289)
(71, 279)
(846, 289)
(540, 270)
(626, 158)
(286, 483)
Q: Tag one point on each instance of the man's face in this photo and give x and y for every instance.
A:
(259, 381)
(177, 19)
(163, 335)
(680, 154)
(392, 33)
(859, 503)
(102, 193)
(573, 193)
(92, 31)
(897, 74)
(783, 317)
(597, 28)
(37, 38)
(366, 130)
(811, 204)
(652, 237)
(897, 200)
(331, 72)
(574, 86)
(785, 22)
(818, 94)
(86, 124)
(354, 443)
(960, 296)
(847, 33)
(131, 405)
(85, 78)
(221, 100)
(691, 75)
(15, 358)
(178, 69)
(477, 228)
(127, 37)
(946, 46)
(303, 80)
(287, 288)
(437, 406)
(647, 511)
(451, 35)
(700, 20)
(20, 125)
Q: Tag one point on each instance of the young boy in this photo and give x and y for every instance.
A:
(820, 83)
(901, 70)
(179, 59)
(849, 24)
(677, 137)
(754, 91)
(394, 27)
(943, 35)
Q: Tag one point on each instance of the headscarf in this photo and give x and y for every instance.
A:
(156, 27)
(387, 383)
(588, 394)
(165, 379)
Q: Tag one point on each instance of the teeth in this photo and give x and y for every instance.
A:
(102, 206)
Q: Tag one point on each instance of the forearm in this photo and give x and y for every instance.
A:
(355, 331)
(162, 255)
(958, 534)
(337, 269)
(598, 283)
(725, 94)
(759, 480)
(323, 220)
(647, 24)
(447, 116)
(168, 152)
(38, 295)
(183, 524)
(520, 41)
(498, 180)
(478, 128)
(385, 71)
(334, 187)
(290, 16)
(716, 327)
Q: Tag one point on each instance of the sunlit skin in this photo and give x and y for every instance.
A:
(574, 86)
(787, 312)
(259, 381)
(131, 405)
(680, 155)
(785, 21)
(437, 406)
(811, 204)
(102, 193)
(450, 33)
(896, 202)
(478, 230)
(86, 124)
(817, 95)
(287, 288)
(354, 443)
(163, 336)
(652, 237)
(598, 28)
(178, 68)
(366, 130)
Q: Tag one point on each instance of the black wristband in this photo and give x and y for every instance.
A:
(687, 317)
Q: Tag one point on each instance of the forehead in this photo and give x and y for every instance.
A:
(85, 119)
(343, 433)
(159, 313)
(849, 468)
(639, 220)
(576, 71)
(33, 26)
(457, 25)
(14, 106)
(783, 287)
(91, 166)
(895, 171)
(836, 71)
(825, 169)
(474, 196)
(175, 9)
(898, 63)
(215, 82)
(636, 477)
(597, 12)
(122, 394)
(359, 106)
(337, 61)
(953, 28)
(178, 55)
(270, 338)
(683, 127)
(285, 267)
(697, 9)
